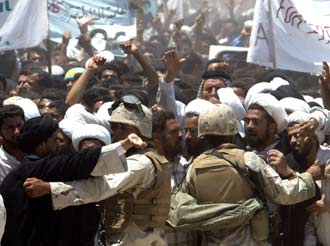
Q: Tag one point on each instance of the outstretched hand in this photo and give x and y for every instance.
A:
(128, 47)
(173, 65)
(84, 21)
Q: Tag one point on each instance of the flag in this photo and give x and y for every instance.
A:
(291, 34)
(23, 23)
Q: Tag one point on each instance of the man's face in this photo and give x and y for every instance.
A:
(10, 128)
(33, 83)
(171, 139)
(47, 107)
(121, 131)
(52, 145)
(257, 128)
(191, 133)
(210, 88)
(90, 143)
(301, 143)
(107, 74)
(69, 84)
(37, 58)
(64, 143)
(24, 83)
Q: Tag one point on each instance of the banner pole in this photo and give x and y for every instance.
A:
(272, 43)
(49, 52)
(49, 56)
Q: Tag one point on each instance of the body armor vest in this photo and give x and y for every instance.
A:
(151, 207)
(216, 180)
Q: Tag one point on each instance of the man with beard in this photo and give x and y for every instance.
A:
(167, 138)
(227, 166)
(264, 122)
(194, 145)
(11, 121)
(33, 222)
(305, 150)
(134, 204)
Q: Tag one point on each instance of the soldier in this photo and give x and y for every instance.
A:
(139, 198)
(228, 166)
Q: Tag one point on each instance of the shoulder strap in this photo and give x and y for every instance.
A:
(242, 172)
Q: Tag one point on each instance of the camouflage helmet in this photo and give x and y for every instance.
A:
(219, 120)
(133, 114)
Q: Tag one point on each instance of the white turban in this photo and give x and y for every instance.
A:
(103, 112)
(273, 107)
(264, 87)
(67, 126)
(29, 107)
(299, 117)
(197, 106)
(227, 96)
(291, 104)
(56, 70)
(11, 100)
(90, 131)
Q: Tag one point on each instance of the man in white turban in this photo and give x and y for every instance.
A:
(90, 135)
(264, 122)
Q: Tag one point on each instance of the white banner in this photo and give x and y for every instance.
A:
(114, 16)
(291, 34)
(24, 23)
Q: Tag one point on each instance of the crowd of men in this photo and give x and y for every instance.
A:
(162, 146)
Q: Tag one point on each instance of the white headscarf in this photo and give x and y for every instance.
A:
(264, 87)
(227, 96)
(273, 107)
(67, 126)
(90, 131)
(198, 105)
(291, 104)
(29, 107)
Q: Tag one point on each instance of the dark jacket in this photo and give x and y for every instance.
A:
(32, 221)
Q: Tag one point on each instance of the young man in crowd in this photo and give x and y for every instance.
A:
(11, 122)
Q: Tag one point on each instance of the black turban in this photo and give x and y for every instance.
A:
(215, 75)
(34, 132)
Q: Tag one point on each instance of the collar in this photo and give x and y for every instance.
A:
(263, 152)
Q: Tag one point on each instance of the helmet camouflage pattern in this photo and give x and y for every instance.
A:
(139, 117)
(219, 120)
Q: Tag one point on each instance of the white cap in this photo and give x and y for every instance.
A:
(90, 131)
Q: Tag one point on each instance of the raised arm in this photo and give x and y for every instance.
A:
(130, 48)
(79, 87)
(62, 58)
(166, 96)
(325, 85)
